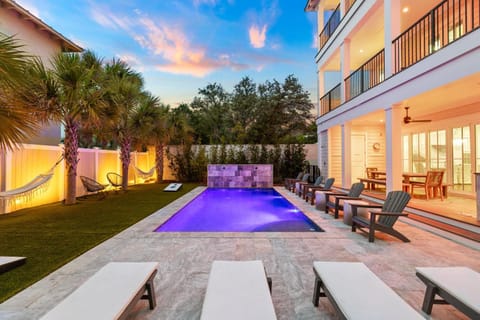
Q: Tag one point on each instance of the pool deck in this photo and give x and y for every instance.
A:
(185, 260)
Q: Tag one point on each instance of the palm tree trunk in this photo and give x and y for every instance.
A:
(159, 161)
(125, 147)
(71, 160)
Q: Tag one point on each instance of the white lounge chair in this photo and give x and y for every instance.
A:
(458, 286)
(357, 293)
(110, 293)
(238, 290)
(8, 262)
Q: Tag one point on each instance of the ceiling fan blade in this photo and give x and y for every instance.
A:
(420, 120)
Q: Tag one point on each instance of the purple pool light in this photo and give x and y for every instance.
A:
(239, 210)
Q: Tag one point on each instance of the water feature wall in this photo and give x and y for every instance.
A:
(240, 176)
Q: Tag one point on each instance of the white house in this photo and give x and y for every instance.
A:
(40, 40)
(43, 41)
(375, 58)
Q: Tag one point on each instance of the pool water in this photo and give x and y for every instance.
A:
(239, 210)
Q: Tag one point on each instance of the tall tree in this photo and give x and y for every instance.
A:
(69, 93)
(180, 119)
(151, 126)
(17, 121)
(124, 92)
(212, 109)
(243, 106)
(297, 107)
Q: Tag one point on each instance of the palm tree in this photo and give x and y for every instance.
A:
(18, 122)
(151, 126)
(124, 91)
(70, 93)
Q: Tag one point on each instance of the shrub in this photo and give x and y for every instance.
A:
(189, 163)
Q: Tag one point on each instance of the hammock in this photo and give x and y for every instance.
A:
(38, 185)
(145, 175)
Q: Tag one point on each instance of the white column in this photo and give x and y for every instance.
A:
(392, 12)
(342, 8)
(320, 21)
(393, 147)
(344, 66)
(346, 154)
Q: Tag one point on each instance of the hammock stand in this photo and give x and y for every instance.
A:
(145, 175)
(27, 192)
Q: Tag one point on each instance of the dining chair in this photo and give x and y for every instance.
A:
(432, 184)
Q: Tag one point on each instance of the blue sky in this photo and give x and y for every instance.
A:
(181, 46)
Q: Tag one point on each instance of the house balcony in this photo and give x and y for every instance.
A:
(333, 23)
(446, 23)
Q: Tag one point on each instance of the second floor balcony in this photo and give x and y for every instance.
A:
(447, 22)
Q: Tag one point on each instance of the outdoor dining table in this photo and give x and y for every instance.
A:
(408, 175)
(376, 174)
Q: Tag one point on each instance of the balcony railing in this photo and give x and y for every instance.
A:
(367, 76)
(330, 100)
(447, 22)
(330, 27)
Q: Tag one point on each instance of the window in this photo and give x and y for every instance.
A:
(462, 167)
(455, 32)
(438, 149)
(419, 152)
(406, 158)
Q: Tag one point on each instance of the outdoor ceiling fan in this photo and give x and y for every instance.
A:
(407, 119)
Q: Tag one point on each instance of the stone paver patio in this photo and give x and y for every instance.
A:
(185, 260)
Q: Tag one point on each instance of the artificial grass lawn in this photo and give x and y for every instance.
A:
(52, 235)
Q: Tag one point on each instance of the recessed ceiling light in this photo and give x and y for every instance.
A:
(381, 120)
(361, 50)
(405, 9)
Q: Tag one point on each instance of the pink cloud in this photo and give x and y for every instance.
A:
(182, 57)
(257, 35)
(166, 41)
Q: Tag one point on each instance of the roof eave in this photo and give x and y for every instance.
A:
(311, 5)
(66, 44)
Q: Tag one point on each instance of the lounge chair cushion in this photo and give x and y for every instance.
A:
(237, 290)
(460, 282)
(107, 294)
(360, 294)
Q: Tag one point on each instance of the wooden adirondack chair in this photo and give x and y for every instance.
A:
(334, 200)
(303, 190)
(391, 210)
(288, 181)
(294, 182)
(310, 194)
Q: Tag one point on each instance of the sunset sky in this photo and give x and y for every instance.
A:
(181, 46)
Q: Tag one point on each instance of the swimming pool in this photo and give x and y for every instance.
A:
(239, 210)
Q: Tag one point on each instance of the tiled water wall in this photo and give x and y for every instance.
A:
(240, 176)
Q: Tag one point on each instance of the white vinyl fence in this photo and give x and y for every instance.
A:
(21, 166)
